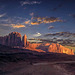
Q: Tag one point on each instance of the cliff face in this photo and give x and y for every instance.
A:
(24, 41)
(34, 45)
(13, 39)
(54, 47)
(59, 49)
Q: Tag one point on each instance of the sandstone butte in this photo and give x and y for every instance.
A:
(14, 39)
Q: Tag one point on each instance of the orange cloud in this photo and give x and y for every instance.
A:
(40, 20)
(27, 22)
(35, 23)
(17, 25)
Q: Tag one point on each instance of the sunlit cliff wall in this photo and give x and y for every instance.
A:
(53, 47)
(60, 49)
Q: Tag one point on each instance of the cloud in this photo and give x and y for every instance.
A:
(29, 2)
(27, 22)
(4, 20)
(5, 27)
(64, 34)
(2, 15)
(50, 27)
(35, 23)
(73, 15)
(39, 20)
(31, 14)
(4, 24)
(17, 25)
(12, 25)
(37, 34)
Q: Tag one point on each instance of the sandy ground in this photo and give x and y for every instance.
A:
(25, 68)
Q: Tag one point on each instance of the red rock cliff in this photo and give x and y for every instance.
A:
(13, 39)
(60, 49)
(54, 47)
(24, 41)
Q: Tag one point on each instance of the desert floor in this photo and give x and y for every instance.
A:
(42, 68)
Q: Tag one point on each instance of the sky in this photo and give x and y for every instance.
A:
(37, 17)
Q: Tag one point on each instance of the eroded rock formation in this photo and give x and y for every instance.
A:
(57, 48)
(24, 41)
(53, 47)
(14, 39)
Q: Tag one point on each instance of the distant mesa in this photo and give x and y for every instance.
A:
(14, 40)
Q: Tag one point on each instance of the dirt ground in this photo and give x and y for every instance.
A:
(27, 68)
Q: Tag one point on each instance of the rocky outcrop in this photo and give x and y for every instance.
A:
(53, 47)
(34, 45)
(57, 48)
(13, 39)
(24, 41)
